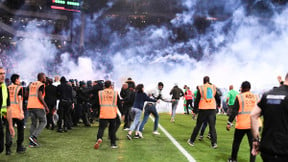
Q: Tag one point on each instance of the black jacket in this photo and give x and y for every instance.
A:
(50, 95)
(64, 92)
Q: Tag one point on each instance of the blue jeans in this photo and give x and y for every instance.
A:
(174, 107)
(137, 113)
(150, 108)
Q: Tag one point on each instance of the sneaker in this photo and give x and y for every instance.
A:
(214, 146)
(156, 133)
(97, 144)
(21, 149)
(172, 120)
(209, 136)
(33, 140)
(114, 146)
(200, 138)
(31, 145)
(136, 136)
(60, 130)
(129, 137)
(193, 116)
(190, 143)
(230, 160)
(8, 151)
(126, 129)
(140, 134)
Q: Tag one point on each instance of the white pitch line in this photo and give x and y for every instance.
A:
(172, 139)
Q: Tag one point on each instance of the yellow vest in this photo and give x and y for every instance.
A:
(4, 100)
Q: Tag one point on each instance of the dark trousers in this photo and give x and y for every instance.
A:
(76, 112)
(204, 125)
(84, 107)
(20, 133)
(94, 113)
(189, 103)
(117, 125)
(209, 116)
(238, 136)
(1, 136)
(128, 117)
(64, 112)
(49, 116)
(273, 158)
(112, 133)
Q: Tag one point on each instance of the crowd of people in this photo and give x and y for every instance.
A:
(60, 104)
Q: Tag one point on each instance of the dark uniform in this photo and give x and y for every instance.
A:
(50, 99)
(274, 108)
(64, 93)
(83, 103)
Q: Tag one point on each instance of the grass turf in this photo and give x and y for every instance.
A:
(77, 144)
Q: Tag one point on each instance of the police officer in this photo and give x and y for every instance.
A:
(109, 103)
(51, 100)
(64, 94)
(244, 104)
(274, 108)
(207, 100)
(83, 101)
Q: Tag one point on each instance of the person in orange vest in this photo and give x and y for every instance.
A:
(4, 106)
(109, 101)
(36, 107)
(189, 99)
(16, 108)
(207, 99)
(244, 104)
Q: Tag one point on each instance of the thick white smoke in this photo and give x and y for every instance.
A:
(238, 48)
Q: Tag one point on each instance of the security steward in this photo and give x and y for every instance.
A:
(244, 104)
(206, 100)
(274, 108)
(36, 107)
(4, 106)
(16, 108)
(109, 103)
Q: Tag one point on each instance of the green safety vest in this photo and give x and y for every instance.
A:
(4, 99)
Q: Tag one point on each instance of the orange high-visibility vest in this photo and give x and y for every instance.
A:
(208, 93)
(108, 104)
(33, 100)
(247, 102)
(189, 95)
(15, 109)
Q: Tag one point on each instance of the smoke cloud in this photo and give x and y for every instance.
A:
(238, 46)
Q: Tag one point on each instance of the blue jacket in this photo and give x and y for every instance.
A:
(139, 100)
